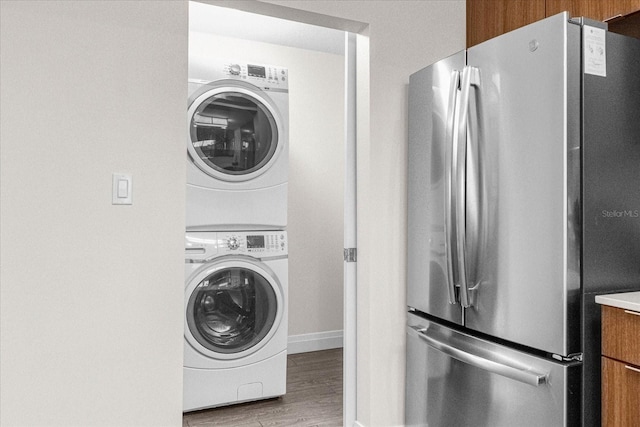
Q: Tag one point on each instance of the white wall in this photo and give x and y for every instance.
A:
(316, 174)
(404, 36)
(92, 294)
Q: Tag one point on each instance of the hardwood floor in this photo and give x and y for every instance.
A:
(314, 398)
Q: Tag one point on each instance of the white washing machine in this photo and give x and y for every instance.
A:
(238, 145)
(235, 347)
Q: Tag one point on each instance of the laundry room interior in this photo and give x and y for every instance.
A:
(266, 113)
(316, 155)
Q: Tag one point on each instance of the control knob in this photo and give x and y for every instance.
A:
(232, 243)
(235, 69)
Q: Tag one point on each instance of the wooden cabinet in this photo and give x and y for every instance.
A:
(490, 18)
(598, 10)
(620, 367)
(626, 24)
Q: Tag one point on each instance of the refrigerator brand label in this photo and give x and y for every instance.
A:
(595, 51)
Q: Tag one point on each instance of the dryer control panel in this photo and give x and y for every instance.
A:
(267, 77)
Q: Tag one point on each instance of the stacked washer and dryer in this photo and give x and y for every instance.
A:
(236, 263)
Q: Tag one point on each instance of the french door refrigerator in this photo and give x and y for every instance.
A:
(523, 205)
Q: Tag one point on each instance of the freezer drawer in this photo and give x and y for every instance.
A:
(454, 379)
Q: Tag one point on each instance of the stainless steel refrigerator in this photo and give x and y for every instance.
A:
(523, 205)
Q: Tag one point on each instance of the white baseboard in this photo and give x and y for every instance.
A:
(314, 342)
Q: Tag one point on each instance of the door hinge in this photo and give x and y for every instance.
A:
(574, 357)
(350, 254)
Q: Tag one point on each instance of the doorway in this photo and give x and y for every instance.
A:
(322, 167)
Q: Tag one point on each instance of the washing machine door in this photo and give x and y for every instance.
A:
(235, 131)
(233, 308)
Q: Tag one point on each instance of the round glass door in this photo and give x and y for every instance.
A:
(233, 134)
(231, 310)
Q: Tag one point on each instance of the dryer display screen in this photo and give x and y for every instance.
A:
(256, 71)
(255, 242)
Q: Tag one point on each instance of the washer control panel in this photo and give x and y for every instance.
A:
(258, 244)
(205, 245)
(267, 77)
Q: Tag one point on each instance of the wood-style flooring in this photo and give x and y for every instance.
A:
(314, 398)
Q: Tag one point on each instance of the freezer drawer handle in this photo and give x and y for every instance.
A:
(482, 362)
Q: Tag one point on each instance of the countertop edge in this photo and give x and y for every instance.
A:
(625, 300)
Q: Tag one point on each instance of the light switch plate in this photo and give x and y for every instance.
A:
(122, 189)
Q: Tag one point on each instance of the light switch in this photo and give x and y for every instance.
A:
(122, 189)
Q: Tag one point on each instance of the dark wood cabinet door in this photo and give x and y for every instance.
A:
(599, 10)
(621, 334)
(628, 25)
(490, 18)
(620, 394)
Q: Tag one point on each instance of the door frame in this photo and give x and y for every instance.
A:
(350, 279)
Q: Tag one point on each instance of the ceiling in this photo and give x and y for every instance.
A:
(250, 26)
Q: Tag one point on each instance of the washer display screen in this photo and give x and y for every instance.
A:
(256, 71)
(255, 242)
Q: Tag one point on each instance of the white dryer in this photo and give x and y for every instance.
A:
(235, 324)
(237, 145)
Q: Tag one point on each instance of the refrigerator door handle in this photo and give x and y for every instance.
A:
(449, 212)
(470, 76)
(482, 361)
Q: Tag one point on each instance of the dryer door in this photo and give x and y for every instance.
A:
(233, 308)
(234, 133)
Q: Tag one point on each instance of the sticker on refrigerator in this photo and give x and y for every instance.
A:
(595, 51)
